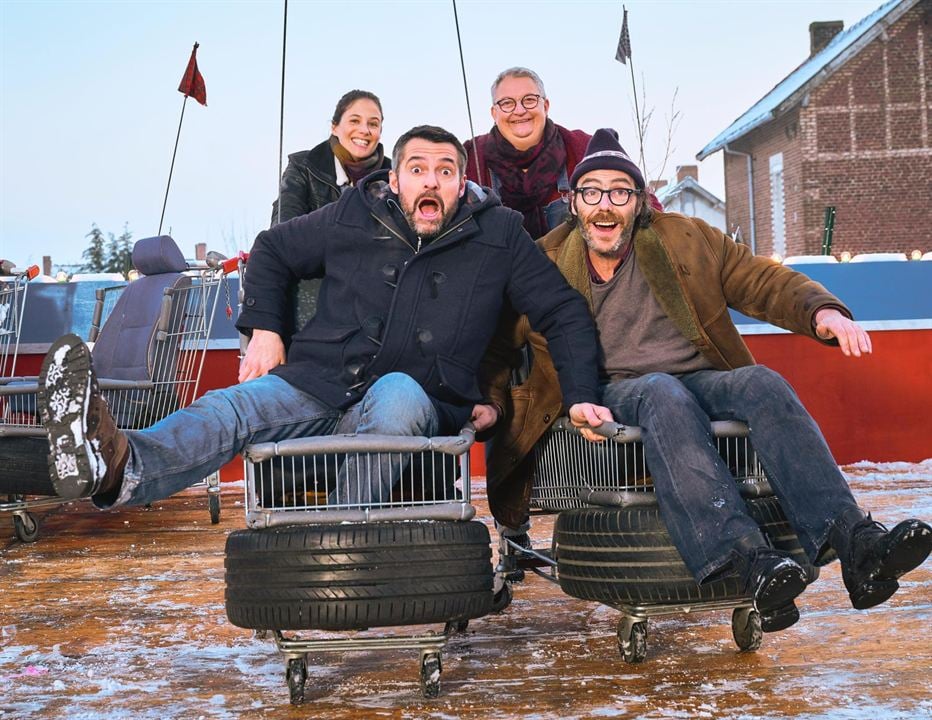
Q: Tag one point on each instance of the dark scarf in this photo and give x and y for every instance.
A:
(528, 192)
(355, 169)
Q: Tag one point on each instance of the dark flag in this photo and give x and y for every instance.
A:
(192, 84)
(624, 42)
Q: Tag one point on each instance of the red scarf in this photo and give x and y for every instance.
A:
(529, 177)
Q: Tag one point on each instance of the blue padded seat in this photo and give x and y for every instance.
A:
(129, 346)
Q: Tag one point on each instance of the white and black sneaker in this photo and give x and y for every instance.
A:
(87, 453)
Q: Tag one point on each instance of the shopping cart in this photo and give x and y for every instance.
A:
(149, 344)
(609, 542)
(13, 286)
(312, 560)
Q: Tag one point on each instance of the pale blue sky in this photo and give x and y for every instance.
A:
(89, 104)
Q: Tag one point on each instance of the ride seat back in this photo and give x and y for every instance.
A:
(134, 345)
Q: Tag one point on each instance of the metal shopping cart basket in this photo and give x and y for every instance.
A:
(149, 343)
(315, 560)
(610, 544)
(13, 286)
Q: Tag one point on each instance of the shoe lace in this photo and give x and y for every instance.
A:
(868, 526)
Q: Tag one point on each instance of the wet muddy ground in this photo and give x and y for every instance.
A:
(121, 615)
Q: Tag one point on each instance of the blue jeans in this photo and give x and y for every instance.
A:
(696, 493)
(187, 446)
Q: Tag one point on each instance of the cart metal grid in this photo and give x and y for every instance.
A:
(568, 468)
(182, 333)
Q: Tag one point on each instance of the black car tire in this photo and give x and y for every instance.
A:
(356, 576)
(622, 556)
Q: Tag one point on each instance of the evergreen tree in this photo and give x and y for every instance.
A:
(120, 252)
(94, 256)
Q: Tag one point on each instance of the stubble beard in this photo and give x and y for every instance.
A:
(616, 250)
(433, 229)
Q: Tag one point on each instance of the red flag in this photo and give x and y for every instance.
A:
(192, 84)
(623, 53)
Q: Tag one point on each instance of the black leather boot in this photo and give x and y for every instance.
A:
(874, 558)
(773, 579)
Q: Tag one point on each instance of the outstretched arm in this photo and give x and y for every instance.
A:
(851, 337)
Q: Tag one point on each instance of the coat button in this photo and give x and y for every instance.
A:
(546, 418)
(250, 301)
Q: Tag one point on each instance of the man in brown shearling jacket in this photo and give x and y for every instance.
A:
(659, 286)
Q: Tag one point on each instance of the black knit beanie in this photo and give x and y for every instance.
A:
(605, 153)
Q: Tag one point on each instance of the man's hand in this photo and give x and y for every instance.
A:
(264, 352)
(852, 339)
(483, 417)
(592, 415)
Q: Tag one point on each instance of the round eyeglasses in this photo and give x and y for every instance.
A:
(617, 196)
(528, 102)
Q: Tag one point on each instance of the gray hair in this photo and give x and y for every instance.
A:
(519, 72)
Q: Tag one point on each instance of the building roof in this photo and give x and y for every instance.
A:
(812, 72)
(668, 192)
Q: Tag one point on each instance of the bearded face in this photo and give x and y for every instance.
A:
(607, 228)
(429, 184)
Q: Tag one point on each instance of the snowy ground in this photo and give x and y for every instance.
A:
(121, 615)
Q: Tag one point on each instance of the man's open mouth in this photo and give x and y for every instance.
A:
(429, 208)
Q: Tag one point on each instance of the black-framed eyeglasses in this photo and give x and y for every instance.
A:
(617, 196)
(528, 102)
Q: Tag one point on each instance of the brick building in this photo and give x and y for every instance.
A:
(850, 128)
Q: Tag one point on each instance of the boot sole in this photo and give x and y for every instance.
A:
(781, 589)
(65, 386)
(873, 592)
(907, 553)
(779, 619)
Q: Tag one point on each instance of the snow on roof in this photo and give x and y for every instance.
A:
(667, 192)
(785, 94)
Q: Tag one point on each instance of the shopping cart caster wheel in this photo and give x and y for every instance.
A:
(430, 674)
(502, 598)
(632, 639)
(745, 628)
(213, 506)
(296, 674)
(26, 527)
(455, 626)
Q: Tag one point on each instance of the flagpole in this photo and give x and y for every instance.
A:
(624, 56)
(172, 168)
(637, 115)
(281, 115)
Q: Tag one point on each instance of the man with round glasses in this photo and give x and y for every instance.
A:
(659, 286)
(526, 158)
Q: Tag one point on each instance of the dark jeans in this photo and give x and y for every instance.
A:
(697, 495)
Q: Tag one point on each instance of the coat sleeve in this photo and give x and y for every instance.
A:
(765, 290)
(557, 311)
(280, 257)
(294, 193)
